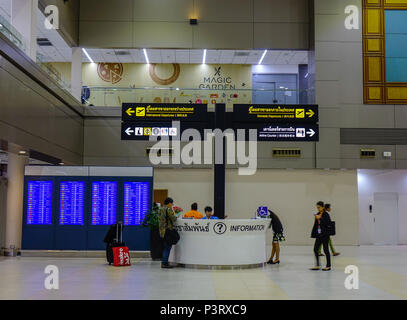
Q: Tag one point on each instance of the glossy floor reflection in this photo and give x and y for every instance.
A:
(382, 271)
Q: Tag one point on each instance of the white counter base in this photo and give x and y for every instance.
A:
(220, 244)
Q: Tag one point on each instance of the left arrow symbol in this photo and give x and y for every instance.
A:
(311, 132)
(130, 111)
(129, 131)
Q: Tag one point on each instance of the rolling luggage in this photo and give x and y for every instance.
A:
(112, 239)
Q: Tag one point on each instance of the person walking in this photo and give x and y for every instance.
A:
(278, 235)
(321, 232)
(166, 221)
(334, 253)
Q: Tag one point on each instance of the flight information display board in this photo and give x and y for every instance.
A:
(39, 202)
(136, 202)
(71, 202)
(104, 202)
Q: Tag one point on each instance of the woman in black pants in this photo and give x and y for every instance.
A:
(321, 233)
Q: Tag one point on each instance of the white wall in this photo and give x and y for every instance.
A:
(288, 68)
(372, 181)
(292, 194)
(186, 186)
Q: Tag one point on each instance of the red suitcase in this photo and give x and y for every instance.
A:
(121, 256)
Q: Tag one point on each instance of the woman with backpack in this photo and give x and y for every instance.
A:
(321, 232)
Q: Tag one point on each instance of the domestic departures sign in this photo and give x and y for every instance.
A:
(275, 113)
(278, 122)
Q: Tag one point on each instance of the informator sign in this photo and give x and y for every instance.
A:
(104, 202)
(288, 133)
(136, 202)
(281, 132)
(164, 112)
(39, 202)
(275, 113)
(71, 202)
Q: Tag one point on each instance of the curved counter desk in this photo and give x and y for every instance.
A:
(223, 244)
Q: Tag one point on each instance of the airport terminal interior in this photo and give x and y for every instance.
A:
(203, 150)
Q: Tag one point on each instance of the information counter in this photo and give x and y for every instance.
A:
(220, 244)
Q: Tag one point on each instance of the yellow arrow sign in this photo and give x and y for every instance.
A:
(130, 111)
(310, 113)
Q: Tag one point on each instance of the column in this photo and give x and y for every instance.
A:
(14, 206)
(76, 73)
(219, 179)
(24, 19)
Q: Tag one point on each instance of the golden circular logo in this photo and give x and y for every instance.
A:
(110, 72)
(167, 81)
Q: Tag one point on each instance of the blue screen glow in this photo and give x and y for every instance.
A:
(136, 202)
(39, 202)
(104, 202)
(71, 202)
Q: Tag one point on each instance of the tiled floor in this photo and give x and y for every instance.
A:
(382, 271)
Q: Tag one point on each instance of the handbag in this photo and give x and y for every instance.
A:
(171, 237)
(332, 228)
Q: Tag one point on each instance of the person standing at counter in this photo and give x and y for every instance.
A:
(321, 232)
(209, 213)
(166, 221)
(278, 235)
(193, 213)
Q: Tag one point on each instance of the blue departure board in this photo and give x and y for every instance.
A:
(39, 202)
(136, 202)
(71, 202)
(104, 202)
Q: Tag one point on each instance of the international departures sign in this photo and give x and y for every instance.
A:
(164, 112)
(142, 120)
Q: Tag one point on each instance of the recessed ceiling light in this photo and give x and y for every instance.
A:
(87, 55)
(22, 152)
(146, 56)
(262, 57)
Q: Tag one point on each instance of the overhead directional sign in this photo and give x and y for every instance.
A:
(282, 132)
(275, 113)
(164, 112)
(166, 129)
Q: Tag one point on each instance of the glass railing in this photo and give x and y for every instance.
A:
(115, 96)
(45, 65)
(14, 36)
(11, 33)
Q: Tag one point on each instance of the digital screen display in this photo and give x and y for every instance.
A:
(71, 203)
(136, 202)
(39, 202)
(104, 202)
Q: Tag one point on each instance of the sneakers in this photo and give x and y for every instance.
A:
(166, 266)
(315, 268)
(336, 254)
